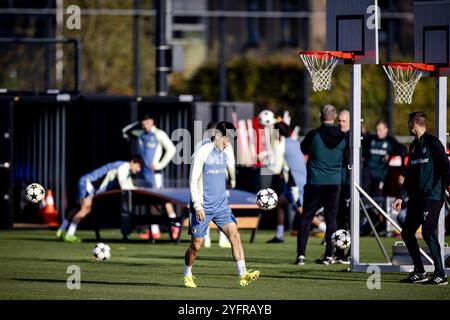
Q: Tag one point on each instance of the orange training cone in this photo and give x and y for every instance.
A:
(49, 212)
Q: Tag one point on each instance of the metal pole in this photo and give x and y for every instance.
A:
(136, 57)
(305, 110)
(355, 145)
(373, 202)
(390, 37)
(10, 200)
(77, 65)
(48, 52)
(161, 48)
(374, 230)
(222, 66)
(59, 33)
(441, 133)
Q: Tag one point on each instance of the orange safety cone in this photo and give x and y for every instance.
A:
(48, 211)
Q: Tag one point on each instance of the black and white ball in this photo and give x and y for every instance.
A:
(101, 252)
(266, 118)
(34, 193)
(341, 239)
(266, 199)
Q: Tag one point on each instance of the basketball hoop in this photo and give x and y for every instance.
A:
(404, 78)
(321, 64)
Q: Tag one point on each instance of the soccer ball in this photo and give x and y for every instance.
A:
(266, 118)
(341, 239)
(101, 252)
(266, 199)
(34, 193)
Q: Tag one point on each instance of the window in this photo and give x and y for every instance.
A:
(289, 26)
(254, 25)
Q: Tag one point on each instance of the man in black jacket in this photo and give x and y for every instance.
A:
(427, 177)
(325, 147)
(377, 151)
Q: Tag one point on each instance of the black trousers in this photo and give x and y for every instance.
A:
(343, 215)
(315, 197)
(425, 213)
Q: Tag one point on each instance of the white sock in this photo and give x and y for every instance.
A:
(172, 215)
(207, 233)
(280, 231)
(187, 271)
(72, 229)
(323, 226)
(64, 225)
(222, 237)
(241, 267)
(154, 228)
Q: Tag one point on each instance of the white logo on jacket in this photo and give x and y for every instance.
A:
(216, 171)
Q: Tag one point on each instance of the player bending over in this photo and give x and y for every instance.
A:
(427, 176)
(209, 202)
(112, 175)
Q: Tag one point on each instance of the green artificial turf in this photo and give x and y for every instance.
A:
(33, 265)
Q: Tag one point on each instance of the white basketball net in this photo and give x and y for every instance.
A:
(321, 69)
(404, 82)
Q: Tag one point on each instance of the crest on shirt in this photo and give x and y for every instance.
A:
(385, 145)
(424, 150)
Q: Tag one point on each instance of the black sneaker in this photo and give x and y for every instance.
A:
(275, 240)
(326, 260)
(300, 261)
(437, 279)
(415, 277)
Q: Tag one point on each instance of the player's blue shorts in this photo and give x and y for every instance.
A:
(85, 188)
(197, 229)
(292, 193)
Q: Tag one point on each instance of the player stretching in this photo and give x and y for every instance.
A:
(209, 202)
(427, 175)
(110, 176)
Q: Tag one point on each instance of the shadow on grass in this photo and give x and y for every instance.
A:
(93, 240)
(226, 258)
(99, 282)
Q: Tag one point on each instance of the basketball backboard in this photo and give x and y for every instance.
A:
(352, 27)
(432, 36)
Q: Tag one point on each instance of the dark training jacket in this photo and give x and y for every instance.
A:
(374, 152)
(428, 170)
(325, 147)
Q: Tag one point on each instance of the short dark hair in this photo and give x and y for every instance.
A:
(226, 129)
(418, 117)
(137, 159)
(381, 122)
(283, 128)
(211, 125)
(146, 117)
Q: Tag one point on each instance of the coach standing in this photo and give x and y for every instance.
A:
(427, 176)
(325, 147)
(156, 150)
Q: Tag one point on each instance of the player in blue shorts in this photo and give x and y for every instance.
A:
(209, 202)
(113, 175)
